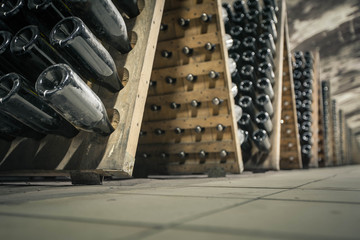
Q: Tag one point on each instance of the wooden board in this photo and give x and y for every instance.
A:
(271, 161)
(290, 149)
(160, 153)
(89, 152)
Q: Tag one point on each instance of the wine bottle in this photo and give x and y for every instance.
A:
(246, 88)
(306, 126)
(307, 84)
(249, 43)
(129, 7)
(237, 58)
(239, 6)
(246, 147)
(307, 94)
(265, 55)
(104, 20)
(263, 103)
(267, 40)
(18, 100)
(237, 112)
(298, 94)
(7, 62)
(297, 85)
(265, 70)
(187, 51)
(272, 3)
(85, 53)
(238, 19)
(209, 46)
(308, 56)
(308, 73)
(299, 55)
(48, 13)
(268, 25)
(248, 58)
(306, 116)
(263, 86)
(236, 32)
(205, 18)
(261, 140)
(245, 123)
(236, 47)
(235, 77)
(251, 29)
(253, 15)
(227, 7)
(247, 106)
(69, 95)
(178, 130)
(12, 127)
(226, 20)
(269, 13)
(298, 65)
(298, 104)
(253, 5)
(263, 121)
(306, 155)
(248, 72)
(34, 51)
(297, 75)
(234, 90)
(228, 41)
(14, 16)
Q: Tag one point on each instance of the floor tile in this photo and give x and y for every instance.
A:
(34, 228)
(123, 207)
(327, 220)
(319, 195)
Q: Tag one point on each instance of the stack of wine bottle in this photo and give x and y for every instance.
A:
(48, 49)
(303, 84)
(251, 42)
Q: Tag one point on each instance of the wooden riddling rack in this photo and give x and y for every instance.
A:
(172, 153)
(89, 156)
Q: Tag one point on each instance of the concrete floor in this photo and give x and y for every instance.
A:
(303, 204)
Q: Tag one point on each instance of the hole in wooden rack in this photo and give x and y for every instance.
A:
(114, 116)
(125, 76)
(133, 39)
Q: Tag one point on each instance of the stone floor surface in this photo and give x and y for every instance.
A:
(301, 204)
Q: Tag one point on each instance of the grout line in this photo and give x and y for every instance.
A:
(311, 201)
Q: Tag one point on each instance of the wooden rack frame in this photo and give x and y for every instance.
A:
(88, 156)
(159, 154)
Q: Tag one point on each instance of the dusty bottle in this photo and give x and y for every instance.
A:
(251, 29)
(265, 70)
(12, 127)
(236, 47)
(306, 155)
(239, 6)
(263, 86)
(249, 44)
(236, 32)
(104, 20)
(33, 51)
(236, 57)
(263, 121)
(253, 15)
(248, 58)
(268, 25)
(246, 88)
(245, 123)
(253, 4)
(263, 103)
(130, 7)
(248, 72)
(265, 55)
(69, 95)
(235, 77)
(261, 140)
(18, 100)
(7, 61)
(267, 40)
(85, 53)
(13, 15)
(247, 106)
(238, 19)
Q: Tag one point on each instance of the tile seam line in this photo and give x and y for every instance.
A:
(309, 201)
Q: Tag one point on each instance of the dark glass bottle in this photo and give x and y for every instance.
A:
(130, 7)
(298, 94)
(306, 138)
(227, 7)
(268, 25)
(261, 140)
(248, 58)
(297, 85)
(306, 155)
(253, 15)
(228, 41)
(248, 72)
(48, 12)
(12, 127)
(238, 19)
(265, 55)
(297, 75)
(235, 77)
(234, 90)
(236, 32)
(306, 127)
(69, 95)
(269, 12)
(298, 104)
(247, 106)
(263, 103)
(306, 105)
(307, 94)
(13, 15)
(85, 53)
(263, 121)
(251, 29)
(299, 55)
(19, 101)
(298, 64)
(226, 20)
(245, 123)
(249, 44)
(299, 119)
(7, 62)
(34, 52)
(308, 73)
(272, 3)
(253, 4)
(265, 70)
(308, 56)
(246, 147)
(267, 40)
(306, 116)
(236, 47)
(263, 86)
(239, 6)
(246, 88)
(104, 20)
(308, 84)
(236, 57)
